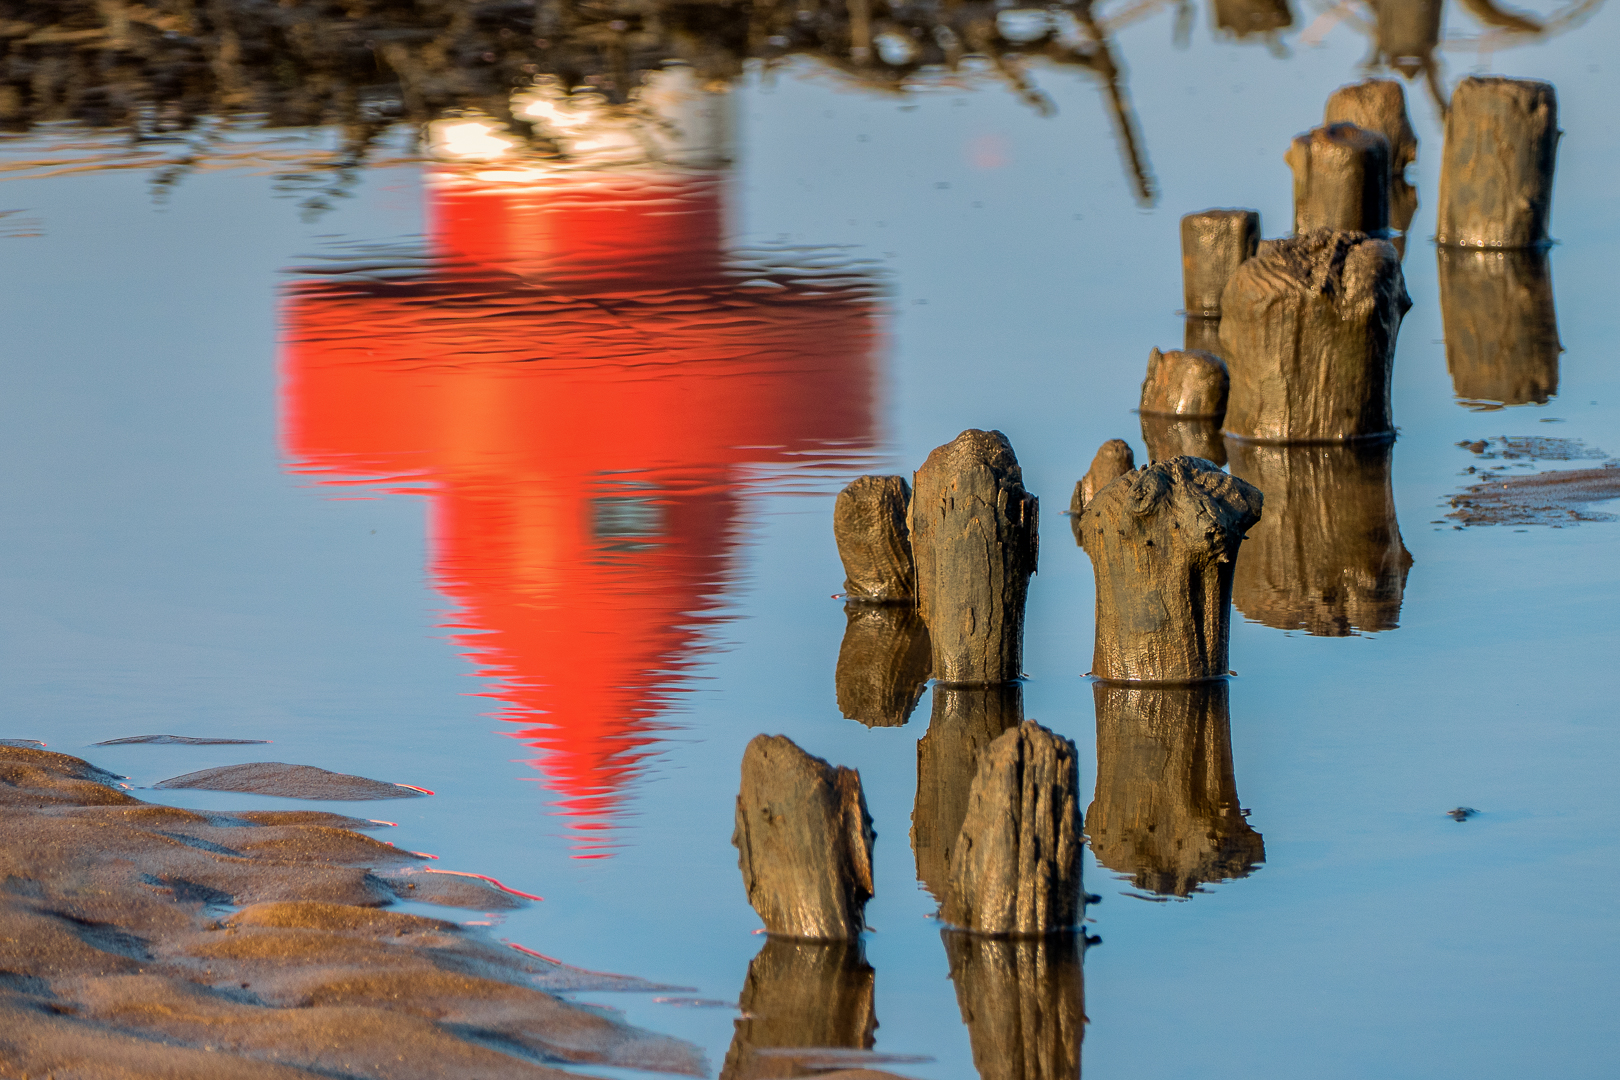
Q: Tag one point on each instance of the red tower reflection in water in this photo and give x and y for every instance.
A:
(579, 382)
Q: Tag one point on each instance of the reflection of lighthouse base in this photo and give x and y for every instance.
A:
(1024, 1003)
(801, 995)
(1327, 555)
(1166, 809)
(1501, 330)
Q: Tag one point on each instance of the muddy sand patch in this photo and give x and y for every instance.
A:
(1555, 498)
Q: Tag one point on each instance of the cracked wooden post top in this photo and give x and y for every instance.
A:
(1214, 243)
(1163, 541)
(965, 721)
(1016, 865)
(1113, 458)
(1496, 172)
(975, 536)
(869, 524)
(882, 663)
(1023, 1001)
(1165, 813)
(1500, 326)
(1341, 179)
(1328, 557)
(801, 995)
(1380, 105)
(804, 842)
(1185, 383)
(1308, 336)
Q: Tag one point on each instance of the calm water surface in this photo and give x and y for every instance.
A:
(522, 492)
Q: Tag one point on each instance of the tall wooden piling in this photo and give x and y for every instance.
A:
(1016, 865)
(1380, 105)
(1501, 328)
(869, 524)
(1308, 333)
(1214, 244)
(965, 721)
(1163, 542)
(1341, 179)
(1496, 173)
(804, 842)
(975, 536)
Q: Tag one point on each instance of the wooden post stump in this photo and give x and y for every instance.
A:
(1496, 173)
(1249, 18)
(1166, 811)
(1163, 542)
(1309, 334)
(1500, 327)
(1214, 243)
(869, 523)
(1114, 458)
(975, 535)
(1023, 1001)
(1016, 865)
(1327, 558)
(1341, 180)
(1186, 384)
(804, 841)
(882, 663)
(1380, 105)
(801, 995)
(965, 721)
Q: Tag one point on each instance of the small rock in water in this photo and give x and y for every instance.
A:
(1461, 813)
(290, 782)
(178, 740)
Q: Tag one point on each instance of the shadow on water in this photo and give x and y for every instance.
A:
(1327, 556)
(1165, 813)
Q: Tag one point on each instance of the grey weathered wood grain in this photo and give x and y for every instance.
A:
(965, 721)
(1214, 244)
(1185, 383)
(1165, 813)
(1327, 558)
(869, 524)
(1016, 865)
(1341, 179)
(1163, 541)
(1023, 1001)
(1496, 172)
(975, 536)
(804, 841)
(1501, 328)
(882, 663)
(1380, 105)
(1308, 334)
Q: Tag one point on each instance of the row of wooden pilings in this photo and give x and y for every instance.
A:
(1305, 330)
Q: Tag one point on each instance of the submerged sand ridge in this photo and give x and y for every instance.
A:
(119, 958)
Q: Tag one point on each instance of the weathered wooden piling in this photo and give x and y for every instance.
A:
(812, 996)
(882, 663)
(1327, 558)
(804, 841)
(1214, 244)
(1380, 105)
(1023, 1001)
(965, 721)
(1308, 335)
(1016, 865)
(975, 536)
(1341, 179)
(1165, 812)
(1501, 328)
(1496, 172)
(1185, 384)
(1114, 458)
(1248, 18)
(869, 524)
(1163, 542)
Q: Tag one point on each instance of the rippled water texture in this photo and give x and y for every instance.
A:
(434, 463)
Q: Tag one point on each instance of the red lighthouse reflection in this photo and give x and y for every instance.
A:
(580, 382)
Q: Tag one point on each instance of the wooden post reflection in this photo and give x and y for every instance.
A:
(1166, 809)
(1500, 327)
(965, 721)
(883, 663)
(1023, 1001)
(801, 995)
(1327, 556)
